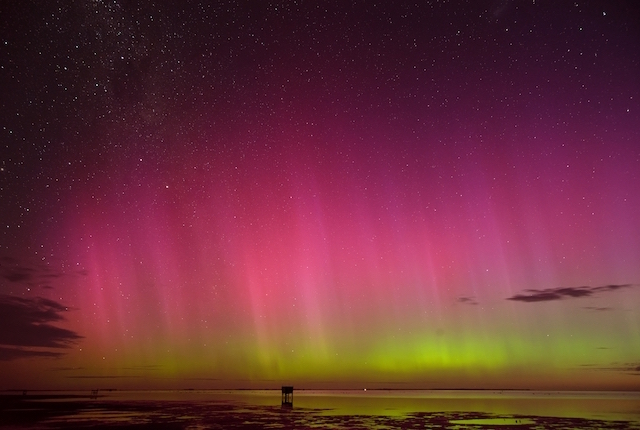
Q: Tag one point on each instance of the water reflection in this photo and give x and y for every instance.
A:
(326, 409)
(511, 421)
(594, 405)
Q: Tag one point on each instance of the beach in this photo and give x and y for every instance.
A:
(349, 409)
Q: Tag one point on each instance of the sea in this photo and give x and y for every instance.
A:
(318, 409)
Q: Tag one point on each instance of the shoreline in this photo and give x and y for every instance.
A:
(74, 411)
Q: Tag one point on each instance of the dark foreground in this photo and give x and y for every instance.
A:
(44, 412)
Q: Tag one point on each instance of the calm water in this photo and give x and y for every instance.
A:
(325, 409)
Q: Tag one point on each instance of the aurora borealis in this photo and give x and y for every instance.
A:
(324, 194)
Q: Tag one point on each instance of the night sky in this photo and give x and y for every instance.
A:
(325, 194)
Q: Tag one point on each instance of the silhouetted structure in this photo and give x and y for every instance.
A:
(287, 397)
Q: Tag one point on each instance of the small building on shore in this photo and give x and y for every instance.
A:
(287, 396)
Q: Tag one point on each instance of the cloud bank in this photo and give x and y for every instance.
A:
(26, 323)
(467, 300)
(31, 274)
(550, 294)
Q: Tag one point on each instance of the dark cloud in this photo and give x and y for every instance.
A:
(611, 287)
(26, 322)
(17, 275)
(596, 308)
(549, 294)
(32, 274)
(103, 377)
(7, 354)
(467, 300)
(633, 368)
(52, 275)
(629, 368)
(14, 271)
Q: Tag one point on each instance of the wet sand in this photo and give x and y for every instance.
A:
(78, 412)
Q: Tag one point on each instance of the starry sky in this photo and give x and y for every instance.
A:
(436, 194)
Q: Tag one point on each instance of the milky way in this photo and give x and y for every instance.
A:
(441, 194)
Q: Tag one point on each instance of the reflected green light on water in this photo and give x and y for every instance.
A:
(375, 409)
(592, 405)
(576, 404)
(494, 421)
